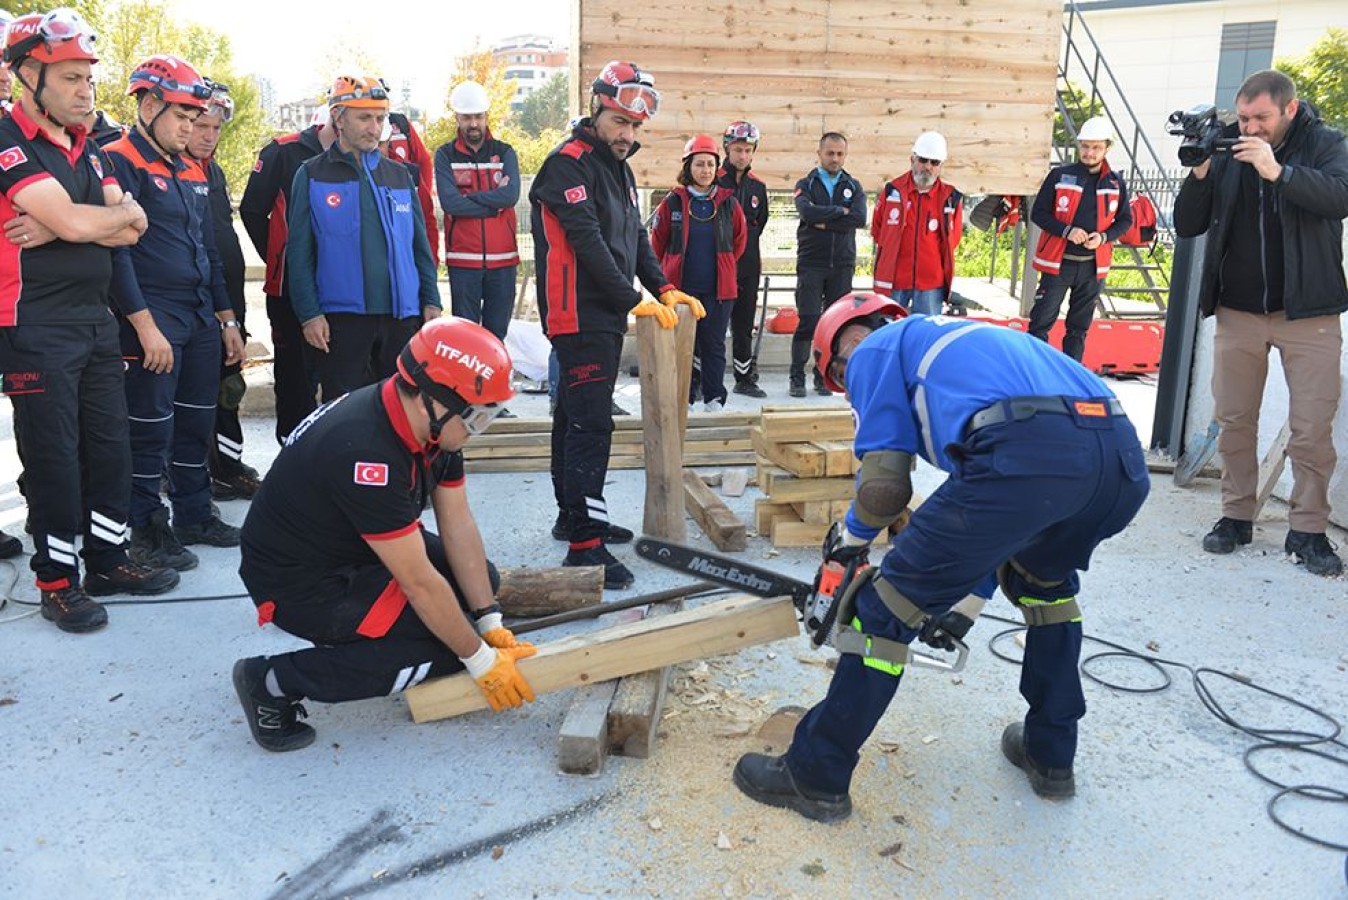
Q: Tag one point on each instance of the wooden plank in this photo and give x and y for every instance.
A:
(786, 533)
(542, 463)
(582, 741)
(794, 490)
(662, 399)
(634, 715)
(839, 458)
(622, 438)
(734, 481)
(808, 426)
(685, 333)
(719, 626)
(536, 425)
(712, 515)
(1270, 469)
(766, 511)
(802, 459)
(821, 512)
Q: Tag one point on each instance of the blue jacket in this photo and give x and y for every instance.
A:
(357, 241)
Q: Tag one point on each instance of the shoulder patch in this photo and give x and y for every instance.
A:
(574, 149)
(257, 166)
(12, 157)
(288, 138)
(372, 474)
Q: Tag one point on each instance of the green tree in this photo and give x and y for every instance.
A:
(1082, 106)
(545, 108)
(1321, 76)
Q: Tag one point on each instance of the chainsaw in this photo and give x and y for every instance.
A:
(820, 611)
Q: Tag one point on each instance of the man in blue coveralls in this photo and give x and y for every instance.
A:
(1043, 465)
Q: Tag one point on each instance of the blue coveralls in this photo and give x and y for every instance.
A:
(1043, 490)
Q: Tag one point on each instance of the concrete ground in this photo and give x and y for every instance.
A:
(127, 770)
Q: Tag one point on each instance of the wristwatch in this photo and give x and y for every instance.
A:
(232, 323)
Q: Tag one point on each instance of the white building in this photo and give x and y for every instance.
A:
(529, 60)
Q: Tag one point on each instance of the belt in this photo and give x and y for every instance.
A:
(1018, 409)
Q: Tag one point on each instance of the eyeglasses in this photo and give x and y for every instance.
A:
(742, 131)
(477, 418)
(927, 162)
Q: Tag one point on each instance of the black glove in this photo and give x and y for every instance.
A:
(836, 551)
(942, 631)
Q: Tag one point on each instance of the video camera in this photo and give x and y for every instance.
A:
(1202, 134)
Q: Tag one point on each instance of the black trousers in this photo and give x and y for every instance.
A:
(70, 423)
(816, 289)
(582, 430)
(369, 640)
(293, 379)
(1079, 277)
(361, 350)
(227, 452)
(742, 318)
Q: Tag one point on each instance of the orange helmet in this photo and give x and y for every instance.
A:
(624, 87)
(701, 143)
(358, 92)
(56, 36)
(463, 366)
(843, 312)
(172, 80)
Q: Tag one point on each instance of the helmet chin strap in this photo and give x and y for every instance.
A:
(37, 92)
(148, 127)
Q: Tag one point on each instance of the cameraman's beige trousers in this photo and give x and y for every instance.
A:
(1311, 351)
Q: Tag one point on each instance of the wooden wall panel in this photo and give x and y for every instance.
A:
(982, 72)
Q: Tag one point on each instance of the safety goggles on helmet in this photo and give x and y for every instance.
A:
(56, 27)
(742, 131)
(476, 418)
(220, 103)
(638, 99)
(166, 85)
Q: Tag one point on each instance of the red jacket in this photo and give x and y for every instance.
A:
(404, 145)
(669, 238)
(1062, 184)
(478, 192)
(915, 235)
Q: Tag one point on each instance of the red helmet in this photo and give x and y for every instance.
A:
(701, 143)
(624, 87)
(740, 131)
(50, 37)
(843, 312)
(463, 366)
(172, 80)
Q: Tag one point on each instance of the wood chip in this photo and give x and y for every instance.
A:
(888, 746)
(655, 824)
(497, 852)
(930, 739)
(1153, 647)
(892, 849)
(723, 841)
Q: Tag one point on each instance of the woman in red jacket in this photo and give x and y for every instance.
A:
(699, 234)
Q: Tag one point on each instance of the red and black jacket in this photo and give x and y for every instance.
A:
(1055, 207)
(752, 195)
(405, 146)
(589, 243)
(915, 235)
(480, 221)
(267, 197)
(669, 238)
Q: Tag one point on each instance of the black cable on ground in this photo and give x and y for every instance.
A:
(1285, 740)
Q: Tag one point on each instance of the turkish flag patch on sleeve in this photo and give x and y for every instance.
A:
(373, 474)
(576, 194)
(15, 156)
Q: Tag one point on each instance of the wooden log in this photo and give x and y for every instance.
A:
(634, 715)
(662, 399)
(720, 626)
(582, 741)
(712, 515)
(525, 593)
(798, 458)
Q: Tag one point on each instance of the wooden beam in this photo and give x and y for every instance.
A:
(767, 511)
(786, 533)
(839, 458)
(720, 626)
(799, 458)
(786, 489)
(540, 592)
(634, 715)
(662, 400)
(712, 515)
(1270, 469)
(542, 463)
(685, 333)
(582, 741)
(808, 425)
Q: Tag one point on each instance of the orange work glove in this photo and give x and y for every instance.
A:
(673, 298)
(498, 678)
(663, 314)
(494, 633)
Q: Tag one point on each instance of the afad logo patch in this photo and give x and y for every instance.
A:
(12, 157)
(160, 183)
(97, 165)
(576, 194)
(372, 474)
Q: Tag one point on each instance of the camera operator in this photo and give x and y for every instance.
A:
(1273, 275)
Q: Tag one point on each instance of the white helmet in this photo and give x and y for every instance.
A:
(930, 145)
(1096, 128)
(469, 98)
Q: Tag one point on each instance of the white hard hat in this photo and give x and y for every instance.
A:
(1096, 128)
(930, 145)
(469, 98)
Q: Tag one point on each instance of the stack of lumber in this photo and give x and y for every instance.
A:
(525, 445)
(806, 470)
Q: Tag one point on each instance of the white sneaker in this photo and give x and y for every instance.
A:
(713, 406)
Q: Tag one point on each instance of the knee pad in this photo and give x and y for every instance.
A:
(232, 388)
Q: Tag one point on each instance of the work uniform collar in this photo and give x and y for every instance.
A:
(465, 149)
(31, 129)
(585, 132)
(397, 417)
(149, 151)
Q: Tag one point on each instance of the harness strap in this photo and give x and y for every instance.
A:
(1039, 613)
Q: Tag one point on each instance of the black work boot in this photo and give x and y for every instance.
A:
(616, 534)
(274, 721)
(1227, 534)
(241, 484)
(616, 575)
(128, 577)
(1315, 552)
(10, 546)
(749, 389)
(212, 532)
(819, 387)
(73, 610)
(768, 780)
(156, 546)
(1051, 784)
(797, 386)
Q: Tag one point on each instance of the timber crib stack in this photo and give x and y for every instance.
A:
(805, 470)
